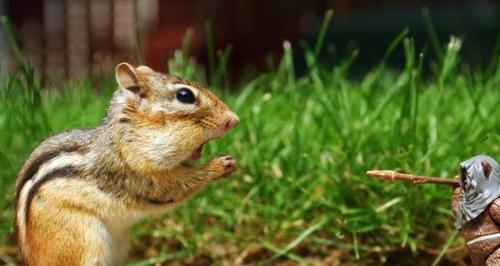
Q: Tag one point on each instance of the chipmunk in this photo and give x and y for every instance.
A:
(80, 191)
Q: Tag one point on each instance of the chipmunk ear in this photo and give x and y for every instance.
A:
(145, 69)
(126, 76)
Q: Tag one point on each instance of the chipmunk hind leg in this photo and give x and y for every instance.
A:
(70, 238)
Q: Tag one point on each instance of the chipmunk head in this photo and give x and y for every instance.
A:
(160, 121)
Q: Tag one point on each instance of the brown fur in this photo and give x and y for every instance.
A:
(80, 191)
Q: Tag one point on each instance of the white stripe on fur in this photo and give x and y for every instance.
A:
(62, 160)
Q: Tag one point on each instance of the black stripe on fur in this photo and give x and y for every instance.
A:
(66, 171)
(35, 165)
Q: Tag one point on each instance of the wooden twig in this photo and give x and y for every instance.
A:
(388, 175)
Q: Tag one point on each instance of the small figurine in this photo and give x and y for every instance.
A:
(475, 203)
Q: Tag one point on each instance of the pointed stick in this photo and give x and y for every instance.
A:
(388, 175)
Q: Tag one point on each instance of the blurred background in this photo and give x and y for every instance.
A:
(65, 39)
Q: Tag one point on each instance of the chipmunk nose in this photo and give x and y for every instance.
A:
(231, 122)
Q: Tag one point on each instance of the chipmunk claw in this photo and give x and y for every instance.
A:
(229, 164)
(224, 165)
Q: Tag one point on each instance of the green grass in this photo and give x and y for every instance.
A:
(303, 146)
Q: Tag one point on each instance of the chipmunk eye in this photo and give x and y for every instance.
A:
(185, 95)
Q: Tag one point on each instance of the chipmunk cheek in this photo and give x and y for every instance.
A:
(209, 122)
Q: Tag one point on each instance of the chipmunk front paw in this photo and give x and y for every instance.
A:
(223, 166)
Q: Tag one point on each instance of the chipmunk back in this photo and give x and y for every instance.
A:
(80, 191)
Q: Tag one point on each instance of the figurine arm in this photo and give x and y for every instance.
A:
(494, 211)
(455, 198)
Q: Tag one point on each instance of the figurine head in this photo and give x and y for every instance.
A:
(480, 185)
